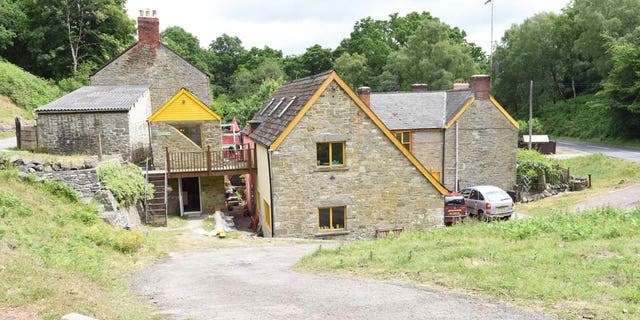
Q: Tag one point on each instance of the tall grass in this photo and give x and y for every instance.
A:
(569, 265)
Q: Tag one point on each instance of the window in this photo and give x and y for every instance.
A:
(330, 154)
(405, 138)
(193, 131)
(267, 215)
(332, 218)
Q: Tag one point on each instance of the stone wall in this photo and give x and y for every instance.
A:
(427, 148)
(211, 195)
(84, 133)
(164, 70)
(487, 148)
(380, 187)
(85, 182)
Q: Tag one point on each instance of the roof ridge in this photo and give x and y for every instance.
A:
(311, 77)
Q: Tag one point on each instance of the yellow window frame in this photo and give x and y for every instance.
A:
(331, 164)
(331, 226)
(400, 135)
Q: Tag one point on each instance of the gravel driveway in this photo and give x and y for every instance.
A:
(256, 283)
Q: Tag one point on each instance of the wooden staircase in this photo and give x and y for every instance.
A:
(156, 208)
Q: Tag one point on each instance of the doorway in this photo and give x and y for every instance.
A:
(190, 196)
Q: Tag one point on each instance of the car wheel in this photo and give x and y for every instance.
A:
(482, 216)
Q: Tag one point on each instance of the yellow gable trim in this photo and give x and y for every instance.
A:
(495, 103)
(459, 114)
(334, 77)
(505, 113)
(184, 106)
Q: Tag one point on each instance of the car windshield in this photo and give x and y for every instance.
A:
(454, 201)
(497, 195)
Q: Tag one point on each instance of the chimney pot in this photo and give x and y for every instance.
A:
(141, 13)
(481, 86)
(460, 85)
(419, 87)
(146, 13)
(153, 13)
(148, 30)
(365, 95)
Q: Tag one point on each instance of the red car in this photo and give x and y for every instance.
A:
(455, 208)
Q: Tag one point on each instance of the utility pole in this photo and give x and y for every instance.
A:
(530, 113)
(491, 44)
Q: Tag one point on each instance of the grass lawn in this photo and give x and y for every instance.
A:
(570, 264)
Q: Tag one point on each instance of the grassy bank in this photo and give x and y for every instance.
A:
(585, 264)
(58, 257)
(606, 174)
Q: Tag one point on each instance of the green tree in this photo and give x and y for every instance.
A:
(187, 46)
(228, 56)
(430, 57)
(12, 22)
(315, 60)
(353, 69)
(534, 50)
(246, 82)
(62, 35)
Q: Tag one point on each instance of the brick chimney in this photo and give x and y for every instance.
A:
(481, 86)
(365, 95)
(419, 87)
(460, 85)
(148, 29)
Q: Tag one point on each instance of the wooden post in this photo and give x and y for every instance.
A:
(166, 160)
(99, 146)
(209, 168)
(18, 132)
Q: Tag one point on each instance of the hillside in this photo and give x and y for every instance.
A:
(21, 92)
(57, 256)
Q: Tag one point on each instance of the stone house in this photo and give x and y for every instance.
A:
(463, 136)
(95, 120)
(151, 62)
(327, 167)
(185, 126)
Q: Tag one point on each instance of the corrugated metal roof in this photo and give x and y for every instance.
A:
(97, 99)
(418, 110)
(283, 106)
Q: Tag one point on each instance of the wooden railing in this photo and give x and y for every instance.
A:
(210, 163)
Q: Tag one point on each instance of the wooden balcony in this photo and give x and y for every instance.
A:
(210, 163)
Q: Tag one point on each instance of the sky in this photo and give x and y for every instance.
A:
(294, 25)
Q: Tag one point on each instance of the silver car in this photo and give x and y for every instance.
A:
(488, 202)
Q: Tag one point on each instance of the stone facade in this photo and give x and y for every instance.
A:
(85, 182)
(211, 195)
(379, 186)
(164, 135)
(84, 133)
(427, 147)
(487, 143)
(151, 62)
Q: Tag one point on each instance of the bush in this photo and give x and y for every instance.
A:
(532, 164)
(126, 182)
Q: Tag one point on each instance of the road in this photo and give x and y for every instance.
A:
(256, 283)
(568, 148)
(7, 143)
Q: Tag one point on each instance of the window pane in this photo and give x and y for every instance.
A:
(337, 153)
(324, 218)
(399, 136)
(322, 150)
(338, 218)
(406, 137)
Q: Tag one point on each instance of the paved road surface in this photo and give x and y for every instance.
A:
(7, 143)
(256, 283)
(579, 147)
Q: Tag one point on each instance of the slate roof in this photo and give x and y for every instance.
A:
(97, 99)
(283, 106)
(418, 110)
